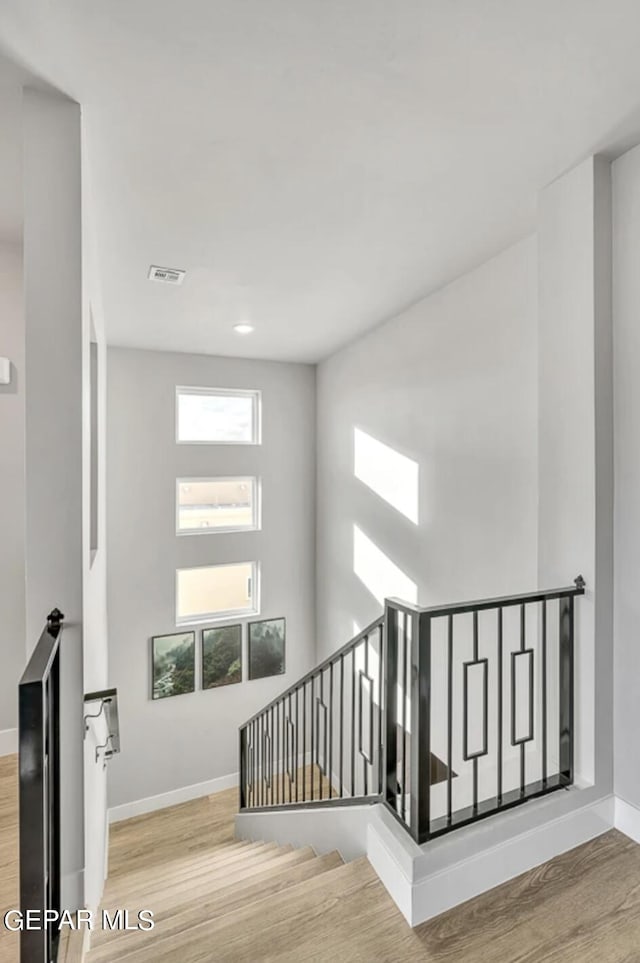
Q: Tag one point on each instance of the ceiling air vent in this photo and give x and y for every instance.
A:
(166, 275)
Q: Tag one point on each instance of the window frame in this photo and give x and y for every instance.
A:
(256, 505)
(228, 614)
(256, 421)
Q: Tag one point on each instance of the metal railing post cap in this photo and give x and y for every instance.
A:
(55, 617)
(579, 582)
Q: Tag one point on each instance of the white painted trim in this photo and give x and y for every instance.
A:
(72, 890)
(8, 742)
(172, 798)
(446, 888)
(627, 819)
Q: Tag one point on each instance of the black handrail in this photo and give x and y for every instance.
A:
(39, 805)
(331, 659)
(435, 767)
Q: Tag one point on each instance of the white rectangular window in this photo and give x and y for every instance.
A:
(217, 416)
(217, 591)
(217, 504)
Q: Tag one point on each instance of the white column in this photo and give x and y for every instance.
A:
(53, 313)
(575, 437)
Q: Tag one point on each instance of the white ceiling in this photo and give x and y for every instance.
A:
(316, 165)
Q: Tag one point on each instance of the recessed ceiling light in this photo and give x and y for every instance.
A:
(243, 328)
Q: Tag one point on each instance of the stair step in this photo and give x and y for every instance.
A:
(172, 903)
(268, 922)
(302, 865)
(202, 877)
(176, 869)
(170, 900)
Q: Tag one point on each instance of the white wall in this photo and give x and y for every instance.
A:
(190, 739)
(626, 315)
(53, 313)
(452, 385)
(12, 503)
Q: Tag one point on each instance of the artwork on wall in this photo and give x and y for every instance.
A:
(173, 664)
(266, 648)
(221, 656)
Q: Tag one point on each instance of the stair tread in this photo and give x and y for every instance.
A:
(272, 918)
(202, 878)
(303, 866)
(177, 868)
(173, 900)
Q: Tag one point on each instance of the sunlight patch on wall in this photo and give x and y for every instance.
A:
(378, 573)
(392, 476)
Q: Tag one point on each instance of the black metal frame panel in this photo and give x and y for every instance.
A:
(403, 771)
(39, 804)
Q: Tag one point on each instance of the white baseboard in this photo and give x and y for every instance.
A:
(8, 742)
(627, 819)
(172, 798)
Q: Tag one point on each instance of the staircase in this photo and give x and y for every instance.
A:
(214, 898)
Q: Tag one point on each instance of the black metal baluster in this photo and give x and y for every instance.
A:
(330, 766)
(319, 702)
(420, 680)
(544, 692)
(405, 646)
(261, 764)
(565, 690)
(283, 751)
(475, 760)
(522, 745)
(341, 726)
(296, 758)
(381, 665)
(365, 773)
(353, 722)
(499, 723)
(390, 763)
(312, 724)
(304, 741)
(243, 765)
(449, 718)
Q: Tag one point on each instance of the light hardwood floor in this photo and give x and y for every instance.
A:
(220, 900)
(9, 942)
(217, 899)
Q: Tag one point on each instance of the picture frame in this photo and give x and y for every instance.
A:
(221, 649)
(173, 664)
(266, 648)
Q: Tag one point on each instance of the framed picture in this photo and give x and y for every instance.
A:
(221, 656)
(266, 648)
(173, 664)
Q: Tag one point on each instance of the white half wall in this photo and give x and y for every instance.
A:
(427, 451)
(425, 881)
(191, 739)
